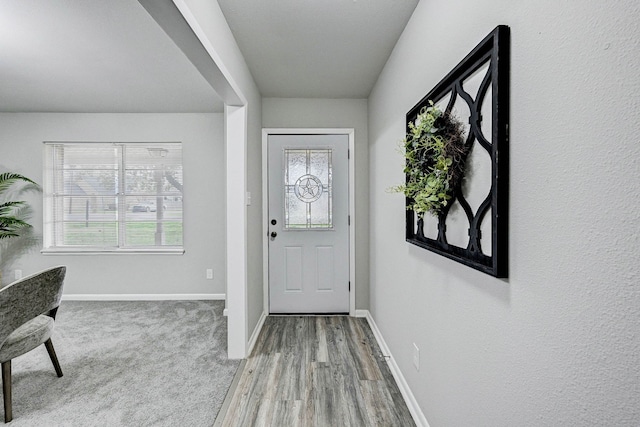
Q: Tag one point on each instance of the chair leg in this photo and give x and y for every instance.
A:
(52, 355)
(6, 390)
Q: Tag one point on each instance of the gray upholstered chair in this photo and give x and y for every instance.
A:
(27, 310)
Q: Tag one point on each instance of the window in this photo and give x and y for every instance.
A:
(116, 197)
(308, 189)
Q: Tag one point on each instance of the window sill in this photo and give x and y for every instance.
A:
(95, 251)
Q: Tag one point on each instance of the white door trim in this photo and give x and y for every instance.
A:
(350, 132)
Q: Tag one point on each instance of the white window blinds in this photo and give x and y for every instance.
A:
(113, 196)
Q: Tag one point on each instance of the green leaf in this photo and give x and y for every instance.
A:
(7, 179)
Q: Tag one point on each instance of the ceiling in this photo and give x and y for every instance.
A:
(111, 56)
(316, 48)
(94, 56)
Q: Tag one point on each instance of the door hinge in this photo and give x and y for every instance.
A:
(349, 220)
(348, 154)
(349, 286)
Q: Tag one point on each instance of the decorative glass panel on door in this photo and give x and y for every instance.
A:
(307, 190)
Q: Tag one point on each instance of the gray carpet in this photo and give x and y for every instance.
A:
(160, 363)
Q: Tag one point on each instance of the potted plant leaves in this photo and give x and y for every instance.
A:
(16, 236)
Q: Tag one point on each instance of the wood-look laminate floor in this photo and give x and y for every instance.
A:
(316, 371)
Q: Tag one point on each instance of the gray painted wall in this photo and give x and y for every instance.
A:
(335, 113)
(255, 294)
(556, 343)
(21, 137)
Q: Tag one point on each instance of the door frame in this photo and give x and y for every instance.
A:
(350, 132)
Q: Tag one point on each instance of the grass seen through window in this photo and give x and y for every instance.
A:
(139, 233)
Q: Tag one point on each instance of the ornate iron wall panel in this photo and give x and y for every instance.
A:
(486, 67)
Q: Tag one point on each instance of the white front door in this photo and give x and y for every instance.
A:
(308, 223)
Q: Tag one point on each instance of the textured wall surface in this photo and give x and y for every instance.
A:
(557, 343)
(21, 137)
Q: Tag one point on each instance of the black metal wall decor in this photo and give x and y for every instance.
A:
(473, 227)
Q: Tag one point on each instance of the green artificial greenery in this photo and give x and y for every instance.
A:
(12, 213)
(435, 154)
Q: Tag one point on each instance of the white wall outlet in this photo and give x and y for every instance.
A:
(17, 274)
(416, 357)
(209, 273)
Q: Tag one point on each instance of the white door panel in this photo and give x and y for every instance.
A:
(308, 224)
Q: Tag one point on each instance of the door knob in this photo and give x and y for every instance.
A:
(273, 234)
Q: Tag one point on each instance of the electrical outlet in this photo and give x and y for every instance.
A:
(17, 274)
(209, 273)
(416, 357)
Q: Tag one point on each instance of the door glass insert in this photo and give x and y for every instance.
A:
(307, 189)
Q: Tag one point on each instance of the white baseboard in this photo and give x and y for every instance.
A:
(407, 394)
(256, 333)
(141, 297)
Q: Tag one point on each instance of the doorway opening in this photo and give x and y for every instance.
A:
(308, 221)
